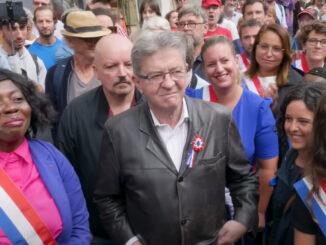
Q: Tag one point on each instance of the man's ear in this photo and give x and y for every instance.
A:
(136, 81)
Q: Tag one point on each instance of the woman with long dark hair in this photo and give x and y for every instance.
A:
(308, 217)
(297, 116)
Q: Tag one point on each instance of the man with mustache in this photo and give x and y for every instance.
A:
(82, 123)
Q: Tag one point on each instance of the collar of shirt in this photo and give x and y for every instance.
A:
(183, 118)
(22, 152)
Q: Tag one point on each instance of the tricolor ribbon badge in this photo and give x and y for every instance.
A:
(197, 145)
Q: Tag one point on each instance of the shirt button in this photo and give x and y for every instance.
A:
(183, 222)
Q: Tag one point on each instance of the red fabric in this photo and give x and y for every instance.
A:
(219, 31)
(258, 86)
(212, 94)
(207, 3)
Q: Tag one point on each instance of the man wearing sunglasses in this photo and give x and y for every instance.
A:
(75, 75)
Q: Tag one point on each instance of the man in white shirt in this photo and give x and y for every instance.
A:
(20, 60)
(230, 12)
(165, 163)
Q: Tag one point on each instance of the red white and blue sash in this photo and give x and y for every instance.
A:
(18, 220)
(254, 85)
(301, 63)
(206, 93)
(317, 207)
(244, 60)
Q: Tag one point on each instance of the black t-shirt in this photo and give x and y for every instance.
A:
(302, 221)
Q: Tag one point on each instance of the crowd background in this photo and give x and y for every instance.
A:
(262, 60)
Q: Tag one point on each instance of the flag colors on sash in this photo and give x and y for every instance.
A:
(317, 208)
(18, 219)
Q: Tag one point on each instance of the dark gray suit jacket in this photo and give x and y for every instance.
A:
(140, 192)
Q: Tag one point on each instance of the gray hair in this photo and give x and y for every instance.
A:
(156, 23)
(194, 10)
(148, 43)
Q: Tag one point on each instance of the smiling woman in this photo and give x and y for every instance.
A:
(57, 213)
(297, 117)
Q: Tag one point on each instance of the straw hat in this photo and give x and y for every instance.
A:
(83, 24)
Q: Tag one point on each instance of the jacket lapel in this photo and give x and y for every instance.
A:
(154, 143)
(194, 127)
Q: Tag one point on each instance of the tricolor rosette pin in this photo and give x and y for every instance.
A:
(197, 145)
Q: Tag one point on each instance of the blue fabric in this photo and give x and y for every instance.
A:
(47, 53)
(10, 229)
(255, 122)
(63, 184)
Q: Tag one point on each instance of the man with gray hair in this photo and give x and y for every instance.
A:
(193, 22)
(165, 163)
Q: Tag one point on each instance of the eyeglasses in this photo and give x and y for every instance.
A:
(175, 75)
(276, 50)
(191, 25)
(315, 41)
(113, 29)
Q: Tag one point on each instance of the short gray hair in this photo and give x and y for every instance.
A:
(156, 23)
(193, 9)
(148, 43)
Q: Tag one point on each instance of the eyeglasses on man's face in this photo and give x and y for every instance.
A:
(191, 25)
(158, 77)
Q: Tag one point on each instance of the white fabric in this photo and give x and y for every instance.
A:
(201, 82)
(25, 62)
(280, 14)
(175, 138)
(228, 24)
(235, 17)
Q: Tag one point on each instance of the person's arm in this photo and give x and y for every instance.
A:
(108, 194)
(80, 233)
(243, 185)
(267, 169)
(301, 238)
(266, 153)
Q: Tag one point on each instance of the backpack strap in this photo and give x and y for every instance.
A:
(34, 57)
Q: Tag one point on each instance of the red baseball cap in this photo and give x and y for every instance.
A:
(309, 11)
(208, 3)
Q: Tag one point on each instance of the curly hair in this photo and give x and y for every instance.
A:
(317, 169)
(43, 113)
(310, 93)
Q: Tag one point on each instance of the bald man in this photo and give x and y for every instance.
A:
(82, 123)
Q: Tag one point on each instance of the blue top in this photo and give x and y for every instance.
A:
(47, 53)
(63, 184)
(255, 122)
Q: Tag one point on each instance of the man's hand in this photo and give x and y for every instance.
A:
(231, 232)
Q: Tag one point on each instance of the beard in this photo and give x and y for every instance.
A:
(46, 35)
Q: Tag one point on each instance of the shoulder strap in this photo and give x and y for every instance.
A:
(34, 57)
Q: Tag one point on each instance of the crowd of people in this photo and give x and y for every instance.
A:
(206, 126)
